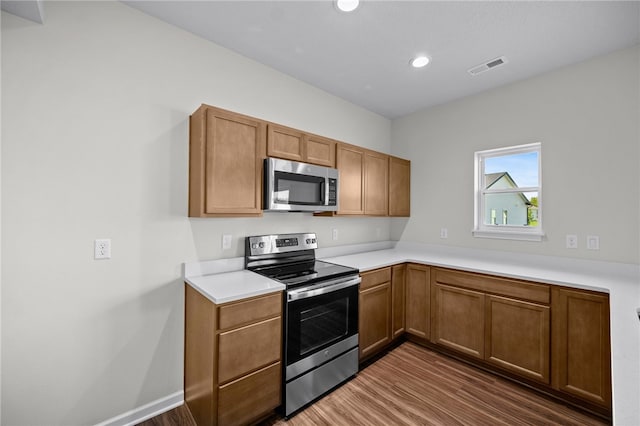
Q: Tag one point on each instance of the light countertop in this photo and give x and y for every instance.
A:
(231, 286)
(224, 281)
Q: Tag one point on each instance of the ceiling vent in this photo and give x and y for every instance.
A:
(488, 65)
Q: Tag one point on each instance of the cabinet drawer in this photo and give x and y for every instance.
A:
(249, 397)
(374, 278)
(539, 293)
(246, 349)
(235, 314)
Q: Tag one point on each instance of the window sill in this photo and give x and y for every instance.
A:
(509, 234)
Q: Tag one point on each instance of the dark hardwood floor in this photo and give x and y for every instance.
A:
(412, 385)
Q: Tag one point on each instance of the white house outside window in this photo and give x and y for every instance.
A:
(508, 180)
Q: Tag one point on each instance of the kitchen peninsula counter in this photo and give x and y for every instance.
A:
(226, 281)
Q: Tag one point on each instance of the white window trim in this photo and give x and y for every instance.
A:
(505, 232)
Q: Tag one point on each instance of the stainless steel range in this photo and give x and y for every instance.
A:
(320, 314)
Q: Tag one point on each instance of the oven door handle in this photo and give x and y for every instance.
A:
(317, 290)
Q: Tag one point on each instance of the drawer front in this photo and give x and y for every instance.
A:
(250, 397)
(539, 293)
(374, 278)
(249, 348)
(246, 311)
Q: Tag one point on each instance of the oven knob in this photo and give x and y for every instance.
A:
(261, 244)
(308, 241)
(254, 246)
(326, 353)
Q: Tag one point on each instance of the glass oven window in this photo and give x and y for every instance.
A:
(323, 325)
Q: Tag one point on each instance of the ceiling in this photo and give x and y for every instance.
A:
(363, 56)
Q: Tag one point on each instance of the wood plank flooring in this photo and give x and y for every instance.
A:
(412, 385)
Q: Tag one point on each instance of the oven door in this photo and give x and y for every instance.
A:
(321, 322)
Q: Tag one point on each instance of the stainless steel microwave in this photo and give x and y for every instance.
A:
(294, 186)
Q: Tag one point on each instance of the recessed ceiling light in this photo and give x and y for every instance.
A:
(347, 5)
(420, 61)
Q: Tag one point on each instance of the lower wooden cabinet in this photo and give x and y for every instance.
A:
(232, 358)
(518, 336)
(484, 317)
(581, 345)
(418, 300)
(458, 319)
(398, 289)
(375, 311)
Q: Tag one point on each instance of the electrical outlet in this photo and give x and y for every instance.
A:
(102, 249)
(572, 241)
(444, 233)
(593, 242)
(334, 234)
(226, 241)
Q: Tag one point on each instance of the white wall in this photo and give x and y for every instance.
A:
(586, 116)
(95, 107)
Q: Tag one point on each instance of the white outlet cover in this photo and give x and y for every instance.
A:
(572, 241)
(226, 241)
(102, 249)
(593, 242)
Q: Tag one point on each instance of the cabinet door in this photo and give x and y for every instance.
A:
(458, 319)
(398, 275)
(320, 151)
(376, 181)
(399, 187)
(517, 337)
(250, 397)
(226, 152)
(375, 324)
(350, 163)
(418, 297)
(245, 349)
(283, 142)
(581, 345)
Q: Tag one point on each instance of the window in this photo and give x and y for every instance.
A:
(508, 180)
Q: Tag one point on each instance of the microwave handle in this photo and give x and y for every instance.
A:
(324, 191)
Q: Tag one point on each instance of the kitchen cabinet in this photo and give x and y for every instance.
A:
(374, 311)
(399, 187)
(581, 345)
(458, 320)
(295, 145)
(376, 183)
(350, 164)
(232, 358)
(503, 322)
(226, 151)
(398, 290)
(418, 300)
(284, 142)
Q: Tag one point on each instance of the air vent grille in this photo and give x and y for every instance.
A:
(488, 65)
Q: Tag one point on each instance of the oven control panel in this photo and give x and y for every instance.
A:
(280, 243)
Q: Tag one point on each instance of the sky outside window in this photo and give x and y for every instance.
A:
(523, 168)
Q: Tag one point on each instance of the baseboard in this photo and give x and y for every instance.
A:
(147, 411)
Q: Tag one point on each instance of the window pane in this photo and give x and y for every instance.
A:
(515, 209)
(511, 171)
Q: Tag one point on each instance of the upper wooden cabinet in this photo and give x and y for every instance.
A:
(225, 163)
(399, 187)
(292, 144)
(320, 151)
(376, 181)
(350, 164)
(226, 153)
(364, 181)
(283, 142)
